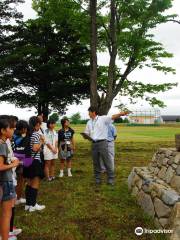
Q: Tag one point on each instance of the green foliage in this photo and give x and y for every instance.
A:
(61, 11)
(138, 90)
(76, 118)
(126, 120)
(135, 21)
(54, 117)
(10, 19)
(121, 120)
(45, 64)
(8, 12)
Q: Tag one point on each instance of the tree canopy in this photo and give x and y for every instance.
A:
(45, 66)
(124, 28)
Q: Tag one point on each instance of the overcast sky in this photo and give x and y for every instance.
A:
(168, 34)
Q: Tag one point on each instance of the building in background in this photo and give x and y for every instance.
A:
(151, 116)
(171, 118)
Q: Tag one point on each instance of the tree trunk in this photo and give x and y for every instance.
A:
(105, 102)
(94, 97)
(113, 53)
(104, 107)
(43, 101)
(39, 108)
(45, 111)
(43, 108)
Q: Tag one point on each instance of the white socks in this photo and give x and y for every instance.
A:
(61, 173)
(69, 172)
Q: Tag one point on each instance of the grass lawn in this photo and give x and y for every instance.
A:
(78, 210)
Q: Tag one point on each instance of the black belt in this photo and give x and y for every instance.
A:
(97, 141)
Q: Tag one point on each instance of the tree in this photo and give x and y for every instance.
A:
(8, 12)
(76, 118)
(54, 117)
(46, 66)
(10, 19)
(126, 120)
(126, 33)
(119, 120)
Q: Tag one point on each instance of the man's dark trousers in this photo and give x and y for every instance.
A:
(100, 151)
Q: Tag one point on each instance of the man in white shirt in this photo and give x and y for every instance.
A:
(97, 130)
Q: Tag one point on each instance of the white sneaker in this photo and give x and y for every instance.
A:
(20, 201)
(61, 174)
(69, 173)
(32, 209)
(16, 231)
(39, 207)
(26, 207)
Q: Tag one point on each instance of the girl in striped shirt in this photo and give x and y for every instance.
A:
(34, 173)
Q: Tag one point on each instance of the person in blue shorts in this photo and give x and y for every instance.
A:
(7, 188)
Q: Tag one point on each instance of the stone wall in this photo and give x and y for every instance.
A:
(157, 189)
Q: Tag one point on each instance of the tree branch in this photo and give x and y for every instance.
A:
(113, 55)
(108, 37)
(128, 70)
(172, 20)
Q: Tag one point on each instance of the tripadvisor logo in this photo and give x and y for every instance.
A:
(139, 231)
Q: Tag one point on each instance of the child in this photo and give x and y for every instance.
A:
(66, 146)
(8, 194)
(13, 230)
(50, 150)
(34, 173)
(21, 144)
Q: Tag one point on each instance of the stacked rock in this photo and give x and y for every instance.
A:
(157, 189)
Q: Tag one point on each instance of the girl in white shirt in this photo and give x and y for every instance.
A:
(50, 150)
